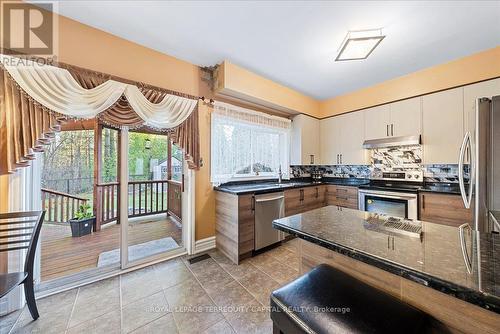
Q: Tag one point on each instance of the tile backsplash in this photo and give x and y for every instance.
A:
(386, 159)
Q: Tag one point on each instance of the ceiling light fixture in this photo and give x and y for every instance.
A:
(359, 44)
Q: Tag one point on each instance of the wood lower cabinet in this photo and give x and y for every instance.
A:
(344, 196)
(447, 209)
(234, 225)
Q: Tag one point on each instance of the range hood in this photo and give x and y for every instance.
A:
(392, 141)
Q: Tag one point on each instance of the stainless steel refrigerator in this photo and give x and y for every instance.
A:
(480, 157)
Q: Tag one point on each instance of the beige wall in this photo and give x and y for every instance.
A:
(236, 81)
(477, 67)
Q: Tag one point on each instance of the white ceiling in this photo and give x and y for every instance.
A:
(295, 43)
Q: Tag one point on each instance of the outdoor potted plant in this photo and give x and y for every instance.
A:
(83, 221)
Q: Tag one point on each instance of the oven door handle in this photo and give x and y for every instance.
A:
(387, 195)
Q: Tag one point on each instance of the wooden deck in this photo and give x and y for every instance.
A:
(63, 255)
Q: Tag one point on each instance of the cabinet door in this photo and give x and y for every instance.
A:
(472, 92)
(443, 126)
(446, 209)
(246, 224)
(293, 201)
(330, 140)
(406, 117)
(304, 140)
(376, 121)
(352, 138)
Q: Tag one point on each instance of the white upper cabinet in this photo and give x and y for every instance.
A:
(305, 145)
(352, 138)
(330, 135)
(443, 126)
(406, 117)
(377, 121)
(472, 92)
(402, 118)
(342, 140)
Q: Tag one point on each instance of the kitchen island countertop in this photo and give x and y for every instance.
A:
(433, 258)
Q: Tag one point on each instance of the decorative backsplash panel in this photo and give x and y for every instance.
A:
(331, 171)
(387, 159)
(443, 173)
(397, 158)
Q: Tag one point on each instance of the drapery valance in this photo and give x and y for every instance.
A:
(35, 99)
(251, 116)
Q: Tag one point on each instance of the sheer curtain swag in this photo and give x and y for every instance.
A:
(35, 98)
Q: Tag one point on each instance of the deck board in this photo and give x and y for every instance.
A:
(63, 255)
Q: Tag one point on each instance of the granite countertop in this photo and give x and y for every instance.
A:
(445, 188)
(242, 188)
(433, 259)
(262, 187)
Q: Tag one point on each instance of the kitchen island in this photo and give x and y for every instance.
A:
(427, 269)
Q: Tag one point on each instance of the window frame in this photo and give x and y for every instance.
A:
(284, 135)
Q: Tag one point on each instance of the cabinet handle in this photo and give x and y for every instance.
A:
(423, 202)
(340, 158)
(301, 198)
(317, 192)
(388, 237)
(387, 130)
(312, 159)
(252, 206)
(337, 159)
(392, 129)
(392, 243)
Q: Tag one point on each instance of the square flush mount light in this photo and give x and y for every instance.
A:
(359, 44)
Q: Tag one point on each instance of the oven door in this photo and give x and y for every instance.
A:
(394, 204)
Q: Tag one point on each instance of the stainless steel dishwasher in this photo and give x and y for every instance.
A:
(268, 207)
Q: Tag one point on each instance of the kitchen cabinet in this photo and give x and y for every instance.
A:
(402, 118)
(344, 196)
(377, 121)
(234, 225)
(305, 141)
(352, 137)
(447, 209)
(443, 126)
(304, 199)
(342, 140)
(472, 92)
(406, 117)
(330, 140)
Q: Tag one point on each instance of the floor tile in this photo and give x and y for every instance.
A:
(171, 274)
(139, 284)
(7, 321)
(260, 286)
(95, 300)
(163, 325)
(278, 271)
(232, 294)
(109, 323)
(144, 311)
(238, 271)
(197, 316)
(53, 322)
(222, 327)
(253, 319)
(185, 293)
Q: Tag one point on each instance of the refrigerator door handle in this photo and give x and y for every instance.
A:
(466, 199)
(465, 254)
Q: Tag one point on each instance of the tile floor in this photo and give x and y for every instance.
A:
(210, 296)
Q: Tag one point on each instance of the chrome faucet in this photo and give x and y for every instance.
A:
(280, 175)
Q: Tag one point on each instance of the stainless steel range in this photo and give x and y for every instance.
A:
(392, 193)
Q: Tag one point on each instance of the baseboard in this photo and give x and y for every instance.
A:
(204, 245)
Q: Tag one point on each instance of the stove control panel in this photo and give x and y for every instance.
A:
(410, 176)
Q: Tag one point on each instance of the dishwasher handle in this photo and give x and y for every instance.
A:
(269, 199)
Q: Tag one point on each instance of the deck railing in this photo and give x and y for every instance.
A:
(60, 207)
(147, 197)
(107, 202)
